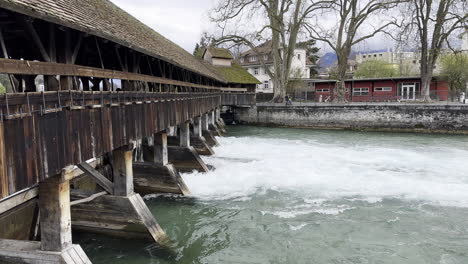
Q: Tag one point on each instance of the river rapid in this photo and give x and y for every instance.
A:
(282, 195)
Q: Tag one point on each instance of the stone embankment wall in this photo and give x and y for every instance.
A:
(427, 118)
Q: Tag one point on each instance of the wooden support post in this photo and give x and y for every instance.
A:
(4, 183)
(160, 148)
(156, 174)
(123, 170)
(198, 141)
(172, 131)
(85, 83)
(205, 122)
(206, 131)
(126, 214)
(54, 206)
(197, 126)
(66, 82)
(185, 135)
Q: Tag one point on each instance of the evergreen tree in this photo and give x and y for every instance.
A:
(311, 53)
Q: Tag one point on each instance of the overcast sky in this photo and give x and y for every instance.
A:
(181, 21)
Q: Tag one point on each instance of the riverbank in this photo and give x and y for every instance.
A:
(385, 117)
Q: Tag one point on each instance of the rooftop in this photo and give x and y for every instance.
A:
(104, 19)
(219, 53)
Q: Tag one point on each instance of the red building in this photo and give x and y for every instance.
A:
(380, 89)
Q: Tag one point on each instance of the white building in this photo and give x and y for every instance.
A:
(251, 60)
(464, 46)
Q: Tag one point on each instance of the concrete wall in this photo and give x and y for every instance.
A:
(404, 118)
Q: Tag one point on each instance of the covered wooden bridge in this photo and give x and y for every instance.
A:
(98, 109)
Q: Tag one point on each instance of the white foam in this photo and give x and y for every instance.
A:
(298, 227)
(435, 173)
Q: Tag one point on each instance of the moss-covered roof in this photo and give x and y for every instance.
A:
(104, 19)
(220, 53)
(236, 74)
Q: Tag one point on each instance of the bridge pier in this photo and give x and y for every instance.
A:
(184, 157)
(156, 174)
(206, 131)
(55, 225)
(219, 121)
(198, 141)
(123, 213)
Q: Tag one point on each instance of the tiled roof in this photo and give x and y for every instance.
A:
(104, 19)
(220, 53)
(232, 74)
(236, 74)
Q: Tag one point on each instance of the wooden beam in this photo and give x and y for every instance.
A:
(52, 49)
(37, 39)
(77, 48)
(98, 177)
(24, 67)
(99, 52)
(18, 199)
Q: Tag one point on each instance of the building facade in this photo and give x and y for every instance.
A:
(251, 60)
(379, 89)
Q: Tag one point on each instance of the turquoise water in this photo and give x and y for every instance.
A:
(304, 196)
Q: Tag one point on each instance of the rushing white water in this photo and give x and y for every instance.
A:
(315, 168)
(294, 196)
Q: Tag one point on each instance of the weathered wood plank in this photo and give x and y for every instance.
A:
(54, 206)
(98, 177)
(3, 165)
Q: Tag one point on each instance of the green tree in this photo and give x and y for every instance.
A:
(455, 69)
(5, 83)
(311, 52)
(376, 69)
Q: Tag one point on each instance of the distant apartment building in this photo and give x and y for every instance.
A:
(252, 59)
(408, 63)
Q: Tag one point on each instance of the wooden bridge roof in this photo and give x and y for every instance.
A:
(106, 20)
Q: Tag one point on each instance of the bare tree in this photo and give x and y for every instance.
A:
(356, 21)
(284, 21)
(432, 22)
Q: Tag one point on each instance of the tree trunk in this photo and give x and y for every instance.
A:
(279, 92)
(426, 78)
(339, 95)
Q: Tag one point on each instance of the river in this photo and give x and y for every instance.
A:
(282, 195)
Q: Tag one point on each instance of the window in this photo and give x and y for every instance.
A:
(266, 85)
(255, 71)
(383, 89)
(364, 56)
(375, 55)
(322, 90)
(253, 58)
(360, 91)
(265, 57)
(299, 56)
